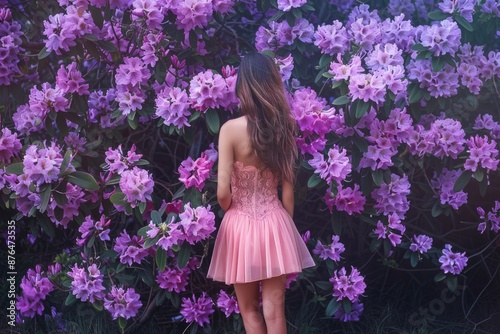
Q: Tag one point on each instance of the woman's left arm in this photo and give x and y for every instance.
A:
(287, 197)
(225, 167)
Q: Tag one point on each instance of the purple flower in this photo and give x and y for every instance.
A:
(482, 153)
(10, 145)
(332, 39)
(336, 168)
(122, 303)
(130, 249)
(392, 197)
(132, 73)
(332, 251)
(197, 223)
(356, 311)
(492, 217)
(70, 80)
(287, 5)
(348, 286)
(443, 185)
(149, 11)
(87, 283)
(384, 56)
(34, 287)
(347, 199)
(421, 243)
(365, 33)
(197, 309)
(464, 7)
(117, 162)
(90, 228)
(442, 83)
(227, 304)
(208, 90)
(192, 13)
(451, 262)
(137, 185)
(394, 224)
(442, 38)
(173, 279)
(172, 104)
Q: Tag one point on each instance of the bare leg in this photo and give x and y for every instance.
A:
(247, 295)
(273, 304)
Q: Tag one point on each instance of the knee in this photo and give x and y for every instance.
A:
(273, 309)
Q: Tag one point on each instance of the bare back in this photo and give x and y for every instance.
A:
(241, 143)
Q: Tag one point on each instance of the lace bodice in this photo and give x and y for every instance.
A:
(254, 191)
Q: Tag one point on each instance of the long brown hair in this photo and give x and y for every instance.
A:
(270, 124)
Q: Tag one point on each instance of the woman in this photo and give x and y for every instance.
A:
(258, 243)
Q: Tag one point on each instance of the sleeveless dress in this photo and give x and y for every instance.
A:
(257, 238)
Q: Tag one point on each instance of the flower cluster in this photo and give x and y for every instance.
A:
(193, 173)
(35, 286)
(197, 223)
(172, 105)
(10, 47)
(482, 154)
(443, 185)
(350, 286)
(464, 7)
(332, 251)
(149, 11)
(70, 80)
(101, 106)
(197, 309)
(10, 146)
(91, 228)
(130, 249)
(173, 279)
(227, 304)
(129, 77)
(287, 5)
(392, 197)
(122, 303)
(87, 283)
(394, 224)
(281, 34)
(211, 90)
(350, 200)
(336, 168)
(442, 38)
(137, 185)
(421, 243)
(452, 263)
(356, 311)
(492, 217)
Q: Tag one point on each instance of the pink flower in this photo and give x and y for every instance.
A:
(10, 145)
(172, 105)
(197, 223)
(173, 279)
(122, 303)
(87, 283)
(137, 185)
(130, 249)
(350, 286)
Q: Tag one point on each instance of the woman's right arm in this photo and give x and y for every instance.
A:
(225, 167)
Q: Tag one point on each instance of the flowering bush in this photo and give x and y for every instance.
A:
(110, 112)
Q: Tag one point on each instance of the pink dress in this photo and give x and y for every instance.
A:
(257, 238)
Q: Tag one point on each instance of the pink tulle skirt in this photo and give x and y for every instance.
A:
(249, 249)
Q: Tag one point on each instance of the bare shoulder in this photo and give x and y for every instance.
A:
(234, 126)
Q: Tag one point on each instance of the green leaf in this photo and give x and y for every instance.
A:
(133, 122)
(15, 168)
(44, 198)
(378, 177)
(462, 181)
(161, 258)
(118, 198)
(314, 180)
(451, 283)
(142, 231)
(419, 47)
(483, 186)
(151, 242)
(337, 224)
(107, 45)
(362, 108)
(439, 277)
(437, 63)
(325, 60)
(323, 285)
(98, 305)
(276, 16)
(332, 307)
(43, 53)
(437, 210)
(84, 180)
(156, 217)
(341, 100)
(297, 13)
(70, 300)
(184, 254)
(91, 37)
(97, 16)
(122, 323)
(415, 93)
(337, 83)
(464, 23)
(479, 175)
(414, 259)
(213, 122)
(142, 207)
(437, 15)
(66, 160)
(347, 305)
